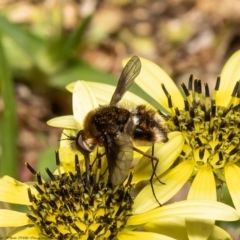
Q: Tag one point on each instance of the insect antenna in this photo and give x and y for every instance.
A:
(154, 162)
(70, 138)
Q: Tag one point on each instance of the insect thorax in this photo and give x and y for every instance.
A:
(105, 120)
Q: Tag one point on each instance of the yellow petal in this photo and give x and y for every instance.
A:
(27, 232)
(104, 92)
(232, 176)
(219, 233)
(164, 153)
(133, 235)
(9, 218)
(70, 86)
(63, 122)
(229, 76)
(203, 186)
(67, 157)
(166, 227)
(199, 229)
(202, 209)
(150, 79)
(83, 101)
(13, 191)
(174, 180)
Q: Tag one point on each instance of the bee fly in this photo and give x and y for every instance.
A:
(115, 127)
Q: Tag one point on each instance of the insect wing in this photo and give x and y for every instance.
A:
(119, 152)
(129, 73)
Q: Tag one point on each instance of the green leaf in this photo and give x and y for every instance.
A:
(29, 43)
(9, 161)
(72, 42)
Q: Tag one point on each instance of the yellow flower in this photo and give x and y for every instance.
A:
(65, 207)
(209, 128)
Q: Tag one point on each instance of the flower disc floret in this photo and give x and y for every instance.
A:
(211, 132)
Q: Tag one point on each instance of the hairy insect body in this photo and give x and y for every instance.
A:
(115, 128)
(140, 123)
(108, 120)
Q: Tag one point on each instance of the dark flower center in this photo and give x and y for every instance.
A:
(67, 208)
(211, 132)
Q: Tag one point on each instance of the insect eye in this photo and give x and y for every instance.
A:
(143, 134)
(138, 132)
(80, 143)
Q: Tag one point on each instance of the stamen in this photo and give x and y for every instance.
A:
(176, 122)
(38, 189)
(58, 162)
(164, 90)
(235, 89)
(186, 107)
(234, 151)
(234, 94)
(207, 96)
(199, 87)
(30, 169)
(190, 89)
(50, 174)
(199, 141)
(191, 111)
(207, 116)
(187, 94)
(185, 89)
(77, 167)
(32, 218)
(177, 112)
(190, 82)
(238, 91)
(170, 104)
(200, 92)
(217, 83)
(216, 148)
(195, 85)
(213, 111)
(30, 195)
(39, 179)
(201, 153)
(216, 87)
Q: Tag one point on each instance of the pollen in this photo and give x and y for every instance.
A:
(66, 207)
(211, 131)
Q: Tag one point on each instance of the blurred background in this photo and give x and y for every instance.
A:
(47, 44)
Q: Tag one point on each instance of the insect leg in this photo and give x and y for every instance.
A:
(99, 156)
(154, 167)
(86, 153)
